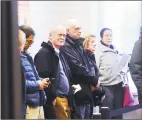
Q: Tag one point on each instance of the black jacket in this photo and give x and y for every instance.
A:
(99, 92)
(34, 96)
(46, 62)
(136, 67)
(92, 62)
(80, 69)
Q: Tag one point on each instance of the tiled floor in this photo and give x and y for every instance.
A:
(134, 114)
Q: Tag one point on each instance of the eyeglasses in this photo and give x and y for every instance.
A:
(107, 35)
(29, 41)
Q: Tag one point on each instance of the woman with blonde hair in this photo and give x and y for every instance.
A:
(89, 43)
(90, 46)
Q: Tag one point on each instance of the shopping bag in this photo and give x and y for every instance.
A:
(128, 97)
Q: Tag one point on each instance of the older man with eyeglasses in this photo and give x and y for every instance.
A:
(35, 95)
(30, 34)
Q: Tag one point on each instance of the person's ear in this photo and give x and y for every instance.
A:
(50, 36)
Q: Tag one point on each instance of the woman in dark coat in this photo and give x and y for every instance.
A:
(89, 46)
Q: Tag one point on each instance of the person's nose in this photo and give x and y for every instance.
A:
(109, 37)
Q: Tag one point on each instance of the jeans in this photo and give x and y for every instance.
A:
(84, 111)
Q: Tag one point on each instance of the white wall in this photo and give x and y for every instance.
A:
(45, 15)
(124, 17)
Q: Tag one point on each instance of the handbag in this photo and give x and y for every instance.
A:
(128, 96)
(98, 95)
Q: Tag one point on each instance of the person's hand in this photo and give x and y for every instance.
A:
(93, 88)
(54, 102)
(103, 98)
(98, 85)
(43, 84)
(75, 86)
(47, 81)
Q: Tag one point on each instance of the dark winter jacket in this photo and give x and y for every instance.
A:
(23, 94)
(34, 97)
(46, 61)
(92, 62)
(136, 67)
(80, 69)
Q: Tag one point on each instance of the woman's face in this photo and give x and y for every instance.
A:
(107, 37)
(92, 44)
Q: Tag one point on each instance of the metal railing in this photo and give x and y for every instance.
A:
(106, 113)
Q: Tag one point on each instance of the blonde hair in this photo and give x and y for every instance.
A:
(87, 40)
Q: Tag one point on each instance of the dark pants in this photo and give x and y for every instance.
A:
(114, 96)
(83, 111)
(49, 112)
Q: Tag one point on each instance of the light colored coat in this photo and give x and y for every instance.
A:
(107, 62)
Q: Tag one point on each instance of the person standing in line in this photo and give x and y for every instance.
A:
(35, 96)
(109, 75)
(51, 63)
(136, 66)
(78, 62)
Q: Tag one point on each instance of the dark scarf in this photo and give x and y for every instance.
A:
(110, 46)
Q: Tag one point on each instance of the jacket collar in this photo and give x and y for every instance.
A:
(22, 55)
(75, 42)
(110, 46)
(25, 53)
(48, 45)
(69, 39)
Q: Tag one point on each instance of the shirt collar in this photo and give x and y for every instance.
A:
(56, 50)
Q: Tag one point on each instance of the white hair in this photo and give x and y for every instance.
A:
(56, 29)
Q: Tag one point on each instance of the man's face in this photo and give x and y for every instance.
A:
(29, 42)
(107, 37)
(74, 31)
(58, 37)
